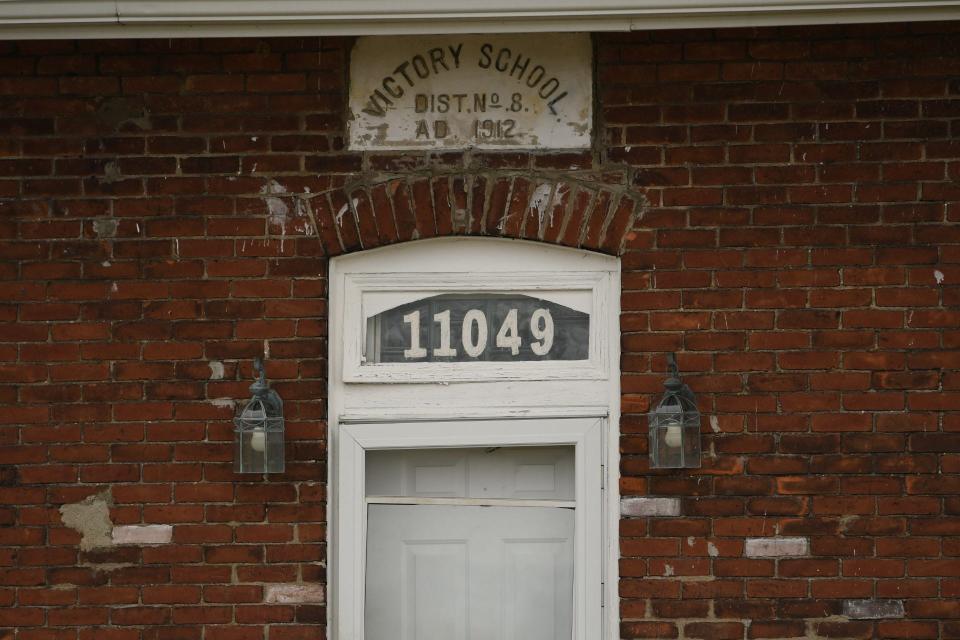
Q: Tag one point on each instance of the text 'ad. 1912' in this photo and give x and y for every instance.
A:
(489, 92)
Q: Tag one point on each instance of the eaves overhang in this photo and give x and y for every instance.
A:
(63, 19)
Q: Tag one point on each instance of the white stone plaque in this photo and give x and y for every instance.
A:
(529, 91)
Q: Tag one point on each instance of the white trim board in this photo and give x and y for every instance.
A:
(69, 19)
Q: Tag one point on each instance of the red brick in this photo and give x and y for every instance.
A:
(170, 594)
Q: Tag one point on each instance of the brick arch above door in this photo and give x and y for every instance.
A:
(561, 210)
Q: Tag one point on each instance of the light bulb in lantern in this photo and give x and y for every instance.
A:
(258, 440)
(674, 436)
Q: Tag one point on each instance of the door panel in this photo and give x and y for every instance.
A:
(433, 576)
(527, 473)
(536, 579)
(469, 573)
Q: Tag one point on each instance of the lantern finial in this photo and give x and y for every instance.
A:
(259, 385)
(673, 382)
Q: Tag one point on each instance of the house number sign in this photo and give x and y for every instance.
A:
(490, 91)
(454, 328)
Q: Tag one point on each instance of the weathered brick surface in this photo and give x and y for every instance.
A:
(776, 547)
(784, 202)
(142, 534)
(650, 507)
(872, 609)
(792, 249)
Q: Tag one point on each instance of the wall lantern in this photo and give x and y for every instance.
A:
(674, 425)
(259, 429)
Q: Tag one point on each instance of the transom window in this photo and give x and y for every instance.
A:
(474, 326)
(483, 327)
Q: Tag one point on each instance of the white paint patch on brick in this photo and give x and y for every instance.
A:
(872, 609)
(294, 593)
(216, 369)
(539, 201)
(276, 206)
(91, 517)
(222, 402)
(938, 276)
(650, 507)
(343, 211)
(111, 173)
(714, 424)
(143, 534)
(776, 547)
(105, 227)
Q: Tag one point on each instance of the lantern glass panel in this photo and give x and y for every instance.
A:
(674, 428)
(259, 437)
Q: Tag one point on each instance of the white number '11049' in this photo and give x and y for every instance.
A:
(474, 332)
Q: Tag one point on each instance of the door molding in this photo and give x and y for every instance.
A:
(483, 404)
(586, 435)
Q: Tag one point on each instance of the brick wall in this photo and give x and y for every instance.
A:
(785, 204)
(800, 250)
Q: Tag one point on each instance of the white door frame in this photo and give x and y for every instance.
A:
(584, 434)
(368, 414)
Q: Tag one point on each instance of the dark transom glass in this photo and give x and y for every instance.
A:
(478, 328)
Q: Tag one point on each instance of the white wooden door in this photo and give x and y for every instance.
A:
(441, 572)
(470, 530)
